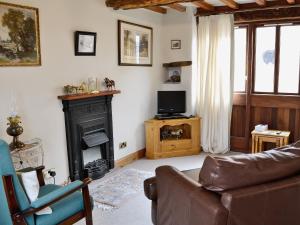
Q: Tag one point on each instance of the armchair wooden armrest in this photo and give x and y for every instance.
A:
(40, 175)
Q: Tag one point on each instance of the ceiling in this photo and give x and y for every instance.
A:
(204, 7)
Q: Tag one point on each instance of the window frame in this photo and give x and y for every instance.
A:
(246, 58)
(277, 58)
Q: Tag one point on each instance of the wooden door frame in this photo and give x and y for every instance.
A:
(249, 98)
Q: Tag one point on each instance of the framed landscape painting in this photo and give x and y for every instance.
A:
(19, 35)
(135, 44)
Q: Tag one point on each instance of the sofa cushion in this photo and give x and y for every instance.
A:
(231, 172)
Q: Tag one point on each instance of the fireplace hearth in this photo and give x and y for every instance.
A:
(89, 133)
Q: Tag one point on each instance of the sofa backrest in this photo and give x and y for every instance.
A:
(7, 168)
(275, 203)
(232, 172)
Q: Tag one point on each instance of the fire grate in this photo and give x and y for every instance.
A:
(96, 169)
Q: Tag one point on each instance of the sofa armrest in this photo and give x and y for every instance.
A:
(182, 201)
(150, 188)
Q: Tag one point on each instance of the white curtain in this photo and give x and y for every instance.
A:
(214, 81)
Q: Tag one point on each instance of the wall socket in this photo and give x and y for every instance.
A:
(122, 145)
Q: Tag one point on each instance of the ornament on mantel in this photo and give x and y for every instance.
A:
(110, 84)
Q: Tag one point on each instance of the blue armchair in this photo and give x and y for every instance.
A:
(68, 204)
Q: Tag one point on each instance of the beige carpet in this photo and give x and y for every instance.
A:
(137, 211)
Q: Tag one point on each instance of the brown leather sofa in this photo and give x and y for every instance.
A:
(246, 189)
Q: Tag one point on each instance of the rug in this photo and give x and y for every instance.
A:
(118, 186)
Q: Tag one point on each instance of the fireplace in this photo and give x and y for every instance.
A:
(89, 133)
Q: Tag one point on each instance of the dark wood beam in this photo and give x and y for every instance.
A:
(178, 7)
(134, 4)
(230, 3)
(157, 9)
(248, 7)
(204, 5)
(261, 2)
(284, 15)
(178, 64)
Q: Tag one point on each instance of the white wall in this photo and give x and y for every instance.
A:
(37, 88)
(180, 26)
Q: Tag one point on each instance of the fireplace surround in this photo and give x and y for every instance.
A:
(89, 134)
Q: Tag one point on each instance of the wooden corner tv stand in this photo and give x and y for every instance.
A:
(172, 137)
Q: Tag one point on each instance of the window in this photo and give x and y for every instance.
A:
(265, 59)
(289, 59)
(240, 52)
(277, 59)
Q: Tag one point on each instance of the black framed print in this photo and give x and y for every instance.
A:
(85, 43)
(175, 44)
(135, 45)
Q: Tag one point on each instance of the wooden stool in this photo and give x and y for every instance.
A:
(280, 138)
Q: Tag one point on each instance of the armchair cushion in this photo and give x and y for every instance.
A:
(59, 192)
(62, 209)
(32, 187)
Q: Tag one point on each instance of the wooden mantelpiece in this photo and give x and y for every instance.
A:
(87, 95)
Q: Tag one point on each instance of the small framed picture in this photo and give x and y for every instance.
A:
(85, 43)
(173, 75)
(175, 44)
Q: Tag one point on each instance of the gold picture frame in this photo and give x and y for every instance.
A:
(135, 45)
(19, 41)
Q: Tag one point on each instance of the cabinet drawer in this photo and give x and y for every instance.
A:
(176, 145)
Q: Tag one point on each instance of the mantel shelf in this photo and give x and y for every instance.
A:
(87, 95)
(178, 64)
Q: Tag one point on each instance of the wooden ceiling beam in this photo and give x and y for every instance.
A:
(285, 15)
(262, 2)
(204, 5)
(157, 9)
(247, 7)
(231, 4)
(178, 7)
(134, 4)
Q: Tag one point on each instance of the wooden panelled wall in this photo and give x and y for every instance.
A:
(280, 112)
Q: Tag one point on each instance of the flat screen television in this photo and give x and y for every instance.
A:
(171, 102)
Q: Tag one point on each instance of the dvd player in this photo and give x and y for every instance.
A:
(169, 116)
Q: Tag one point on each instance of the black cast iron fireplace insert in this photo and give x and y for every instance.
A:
(89, 134)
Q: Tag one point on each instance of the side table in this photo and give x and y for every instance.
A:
(280, 138)
(32, 155)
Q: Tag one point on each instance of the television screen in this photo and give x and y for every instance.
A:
(170, 102)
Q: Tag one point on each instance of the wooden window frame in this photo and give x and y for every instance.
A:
(277, 26)
(246, 59)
